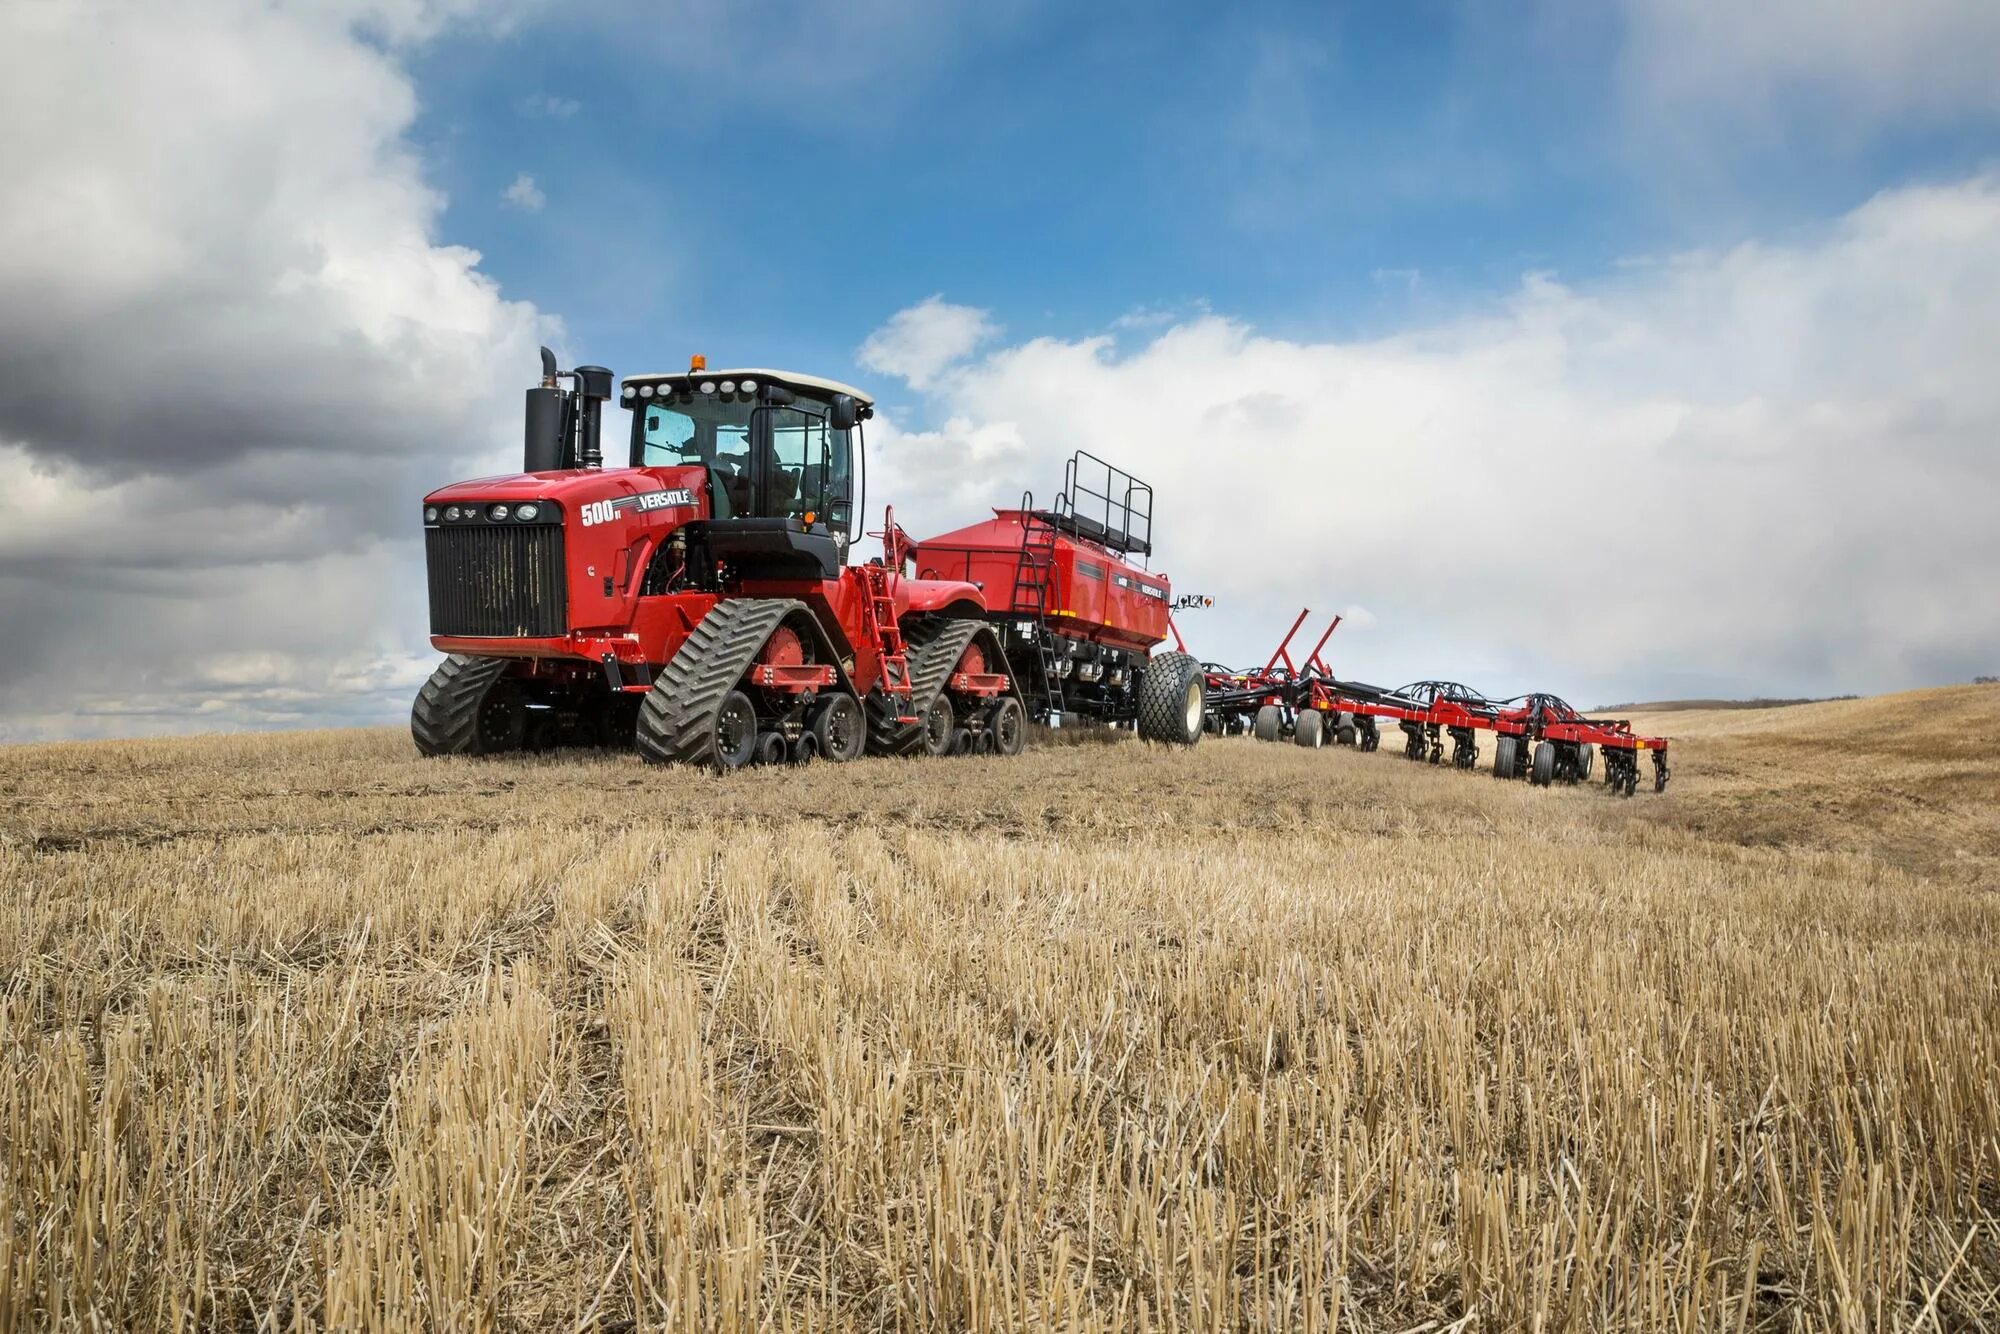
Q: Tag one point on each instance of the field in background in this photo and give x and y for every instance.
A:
(302, 1030)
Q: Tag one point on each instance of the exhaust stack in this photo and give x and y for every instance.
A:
(562, 427)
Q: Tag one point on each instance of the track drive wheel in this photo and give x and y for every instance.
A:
(1544, 772)
(1270, 721)
(1172, 700)
(840, 728)
(467, 708)
(1311, 730)
(940, 728)
(1503, 757)
(1007, 725)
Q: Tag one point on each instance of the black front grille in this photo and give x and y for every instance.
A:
(497, 579)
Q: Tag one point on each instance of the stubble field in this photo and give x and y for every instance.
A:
(302, 1031)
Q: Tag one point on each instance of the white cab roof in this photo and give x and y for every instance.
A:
(813, 384)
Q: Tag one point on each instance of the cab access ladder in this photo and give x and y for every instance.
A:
(878, 615)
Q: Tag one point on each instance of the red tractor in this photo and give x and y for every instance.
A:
(698, 601)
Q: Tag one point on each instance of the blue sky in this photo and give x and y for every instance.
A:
(1620, 348)
(1319, 170)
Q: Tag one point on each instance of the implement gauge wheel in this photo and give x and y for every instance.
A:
(1544, 772)
(1344, 735)
(1504, 751)
(1311, 730)
(1270, 721)
(1586, 760)
(1172, 700)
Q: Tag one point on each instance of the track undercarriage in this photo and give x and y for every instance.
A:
(756, 682)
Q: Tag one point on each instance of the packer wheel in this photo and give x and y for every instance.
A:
(1270, 722)
(1544, 772)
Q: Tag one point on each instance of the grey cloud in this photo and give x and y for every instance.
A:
(233, 355)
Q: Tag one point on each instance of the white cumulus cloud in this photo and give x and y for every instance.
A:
(1763, 469)
(524, 194)
(920, 342)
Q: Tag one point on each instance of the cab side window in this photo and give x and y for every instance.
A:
(809, 469)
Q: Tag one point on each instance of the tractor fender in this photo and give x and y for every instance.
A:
(948, 596)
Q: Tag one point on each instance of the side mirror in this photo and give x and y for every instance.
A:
(845, 413)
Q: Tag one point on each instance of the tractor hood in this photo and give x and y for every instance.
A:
(572, 488)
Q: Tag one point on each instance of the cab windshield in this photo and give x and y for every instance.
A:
(762, 462)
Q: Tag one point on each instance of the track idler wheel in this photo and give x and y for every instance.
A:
(840, 728)
(1007, 726)
(940, 728)
(733, 744)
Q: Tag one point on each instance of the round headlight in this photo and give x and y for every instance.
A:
(708, 386)
(527, 511)
(645, 391)
(729, 386)
(498, 512)
(430, 514)
(451, 513)
(749, 386)
(629, 391)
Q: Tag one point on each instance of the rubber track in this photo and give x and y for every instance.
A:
(445, 718)
(677, 721)
(932, 652)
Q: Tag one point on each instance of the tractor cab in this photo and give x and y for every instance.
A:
(782, 454)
